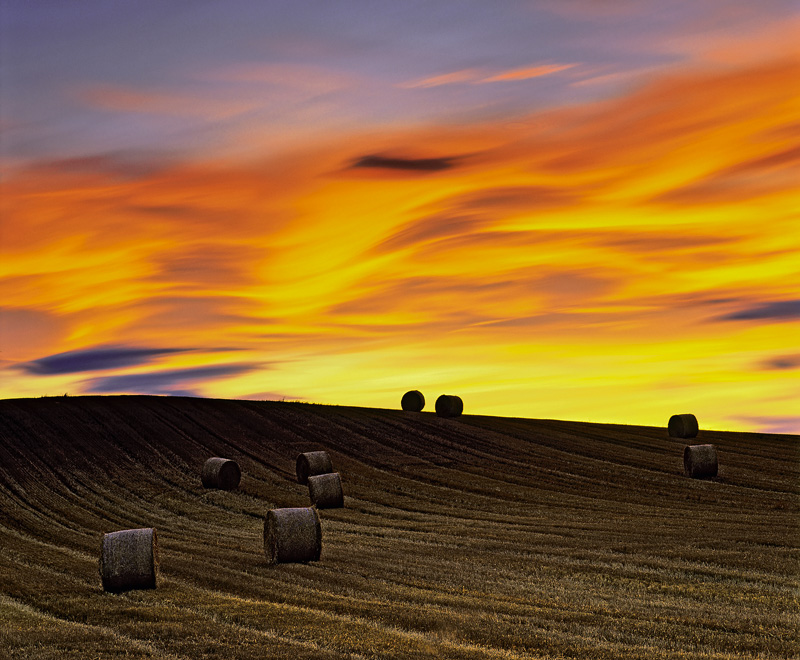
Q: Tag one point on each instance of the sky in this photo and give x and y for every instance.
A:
(562, 209)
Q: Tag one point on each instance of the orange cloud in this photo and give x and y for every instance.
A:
(181, 105)
(526, 73)
(225, 93)
(308, 79)
(479, 76)
(762, 40)
(751, 179)
(462, 76)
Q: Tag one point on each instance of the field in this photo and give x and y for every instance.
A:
(474, 537)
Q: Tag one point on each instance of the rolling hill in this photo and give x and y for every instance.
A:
(473, 537)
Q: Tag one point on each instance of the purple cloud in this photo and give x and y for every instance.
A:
(775, 424)
(783, 362)
(95, 359)
(781, 310)
(175, 382)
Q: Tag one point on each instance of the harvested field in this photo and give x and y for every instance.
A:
(474, 537)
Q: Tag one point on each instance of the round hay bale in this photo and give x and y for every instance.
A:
(325, 491)
(292, 535)
(413, 401)
(129, 560)
(449, 405)
(682, 426)
(700, 461)
(221, 473)
(313, 462)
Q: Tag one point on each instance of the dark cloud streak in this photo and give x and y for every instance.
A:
(430, 229)
(517, 198)
(404, 164)
(173, 381)
(782, 363)
(126, 164)
(95, 359)
(781, 310)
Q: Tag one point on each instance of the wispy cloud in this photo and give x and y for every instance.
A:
(405, 164)
(205, 265)
(95, 359)
(503, 199)
(615, 78)
(130, 100)
(772, 173)
(782, 363)
(452, 78)
(177, 382)
(303, 78)
(526, 73)
(789, 424)
(161, 314)
(482, 76)
(126, 165)
(270, 396)
(743, 37)
(780, 310)
(430, 228)
(27, 331)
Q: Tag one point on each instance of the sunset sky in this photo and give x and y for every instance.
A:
(570, 209)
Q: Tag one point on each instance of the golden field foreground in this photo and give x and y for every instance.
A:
(473, 537)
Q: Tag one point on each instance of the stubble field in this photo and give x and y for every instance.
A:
(475, 537)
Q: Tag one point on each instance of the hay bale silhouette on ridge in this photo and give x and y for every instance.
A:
(449, 405)
(413, 401)
(683, 426)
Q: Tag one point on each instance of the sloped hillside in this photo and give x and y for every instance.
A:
(474, 537)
